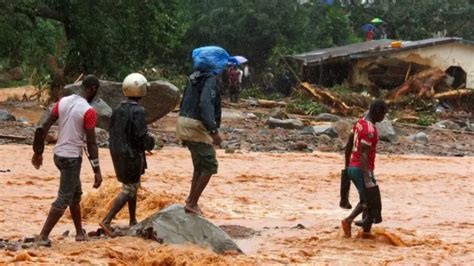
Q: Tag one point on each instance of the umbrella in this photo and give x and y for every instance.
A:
(376, 20)
(241, 59)
(368, 27)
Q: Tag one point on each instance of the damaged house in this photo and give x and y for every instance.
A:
(425, 67)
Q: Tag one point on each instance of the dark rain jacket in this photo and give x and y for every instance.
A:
(202, 100)
(128, 141)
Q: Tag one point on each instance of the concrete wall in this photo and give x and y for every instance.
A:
(443, 56)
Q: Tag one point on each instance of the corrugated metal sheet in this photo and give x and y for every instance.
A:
(368, 49)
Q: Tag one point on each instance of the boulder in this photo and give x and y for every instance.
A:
(173, 225)
(327, 117)
(419, 137)
(6, 116)
(278, 113)
(343, 129)
(161, 99)
(447, 124)
(325, 129)
(286, 123)
(386, 131)
(162, 96)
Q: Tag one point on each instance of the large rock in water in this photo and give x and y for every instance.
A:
(174, 226)
(162, 97)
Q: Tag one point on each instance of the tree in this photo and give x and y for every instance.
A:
(417, 19)
(110, 38)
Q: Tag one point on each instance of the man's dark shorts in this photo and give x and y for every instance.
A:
(357, 177)
(204, 157)
(70, 190)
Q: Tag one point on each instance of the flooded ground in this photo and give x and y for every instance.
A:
(290, 199)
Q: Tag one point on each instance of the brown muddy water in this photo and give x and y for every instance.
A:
(427, 208)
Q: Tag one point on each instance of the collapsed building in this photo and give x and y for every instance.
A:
(425, 67)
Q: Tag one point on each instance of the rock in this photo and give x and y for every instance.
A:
(287, 123)
(251, 116)
(102, 137)
(22, 120)
(6, 116)
(52, 136)
(278, 113)
(447, 124)
(251, 102)
(162, 96)
(104, 113)
(173, 225)
(386, 131)
(343, 129)
(324, 129)
(327, 117)
(419, 137)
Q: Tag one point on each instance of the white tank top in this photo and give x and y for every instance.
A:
(71, 137)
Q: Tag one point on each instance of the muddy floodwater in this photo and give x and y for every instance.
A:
(290, 200)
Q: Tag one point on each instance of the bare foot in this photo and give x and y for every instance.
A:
(41, 241)
(107, 229)
(346, 227)
(367, 235)
(81, 237)
(193, 210)
(132, 223)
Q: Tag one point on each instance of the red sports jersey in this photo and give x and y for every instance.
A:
(365, 133)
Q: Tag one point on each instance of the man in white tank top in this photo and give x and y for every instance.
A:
(77, 120)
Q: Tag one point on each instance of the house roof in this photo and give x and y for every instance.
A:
(369, 49)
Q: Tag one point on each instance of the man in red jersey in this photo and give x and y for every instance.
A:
(76, 121)
(360, 163)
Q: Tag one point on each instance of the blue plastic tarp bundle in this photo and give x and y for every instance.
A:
(211, 59)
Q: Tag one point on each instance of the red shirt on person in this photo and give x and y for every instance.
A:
(365, 133)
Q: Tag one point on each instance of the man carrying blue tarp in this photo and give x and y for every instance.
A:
(200, 118)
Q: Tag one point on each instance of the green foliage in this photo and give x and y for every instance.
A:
(417, 19)
(305, 106)
(426, 120)
(258, 93)
(114, 38)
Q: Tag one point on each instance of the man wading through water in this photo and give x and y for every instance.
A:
(129, 139)
(360, 164)
(200, 118)
(77, 120)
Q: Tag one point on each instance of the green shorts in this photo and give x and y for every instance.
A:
(357, 177)
(204, 158)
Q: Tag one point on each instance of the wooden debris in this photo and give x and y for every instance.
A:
(12, 137)
(422, 83)
(453, 94)
(270, 104)
(330, 102)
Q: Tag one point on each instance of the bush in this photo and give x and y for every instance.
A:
(304, 107)
(426, 120)
(257, 93)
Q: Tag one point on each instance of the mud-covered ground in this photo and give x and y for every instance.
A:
(428, 211)
(280, 206)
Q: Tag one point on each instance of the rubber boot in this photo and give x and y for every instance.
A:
(344, 191)
(374, 203)
(53, 217)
